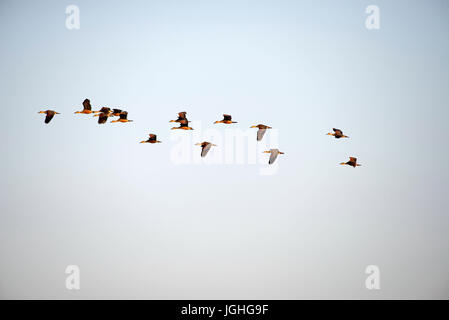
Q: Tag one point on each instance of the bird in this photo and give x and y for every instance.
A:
(87, 108)
(352, 162)
(274, 155)
(261, 131)
(151, 139)
(116, 112)
(50, 114)
(205, 147)
(102, 117)
(337, 134)
(104, 110)
(123, 117)
(227, 119)
(181, 117)
(183, 125)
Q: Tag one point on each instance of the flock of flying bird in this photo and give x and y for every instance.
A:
(104, 113)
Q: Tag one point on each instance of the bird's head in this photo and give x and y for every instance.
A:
(42, 112)
(342, 163)
(268, 151)
(254, 127)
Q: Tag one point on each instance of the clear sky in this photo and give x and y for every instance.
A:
(139, 225)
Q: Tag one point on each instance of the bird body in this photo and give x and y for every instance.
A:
(181, 117)
(87, 108)
(152, 139)
(273, 155)
(262, 129)
(123, 117)
(337, 134)
(50, 114)
(227, 119)
(116, 112)
(352, 162)
(183, 125)
(205, 147)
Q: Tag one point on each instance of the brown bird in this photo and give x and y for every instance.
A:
(87, 108)
(123, 117)
(116, 112)
(352, 162)
(181, 117)
(183, 125)
(151, 139)
(205, 147)
(227, 119)
(274, 154)
(104, 110)
(102, 117)
(261, 131)
(50, 114)
(337, 134)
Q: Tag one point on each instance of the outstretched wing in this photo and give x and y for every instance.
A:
(117, 110)
(273, 156)
(102, 118)
(206, 149)
(227, 117)
(338, 132)
(182, 115)
(260, 134)
(352, 159)
(86, 104)
(152, 136)
(49, 116)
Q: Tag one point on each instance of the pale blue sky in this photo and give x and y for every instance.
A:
(74, 192)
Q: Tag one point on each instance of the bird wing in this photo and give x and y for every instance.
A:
(117, 110)
(352, 159)
(152, 136)
(49, 116)
(86, 104)
(206, 149)
(182, 115)
(338, 131)
(102, 118)
(183, 123)
(227, 117)
(273, 156)
(123, 115)
(260, 134)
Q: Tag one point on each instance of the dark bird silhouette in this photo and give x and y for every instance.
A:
(274, 154)
(50, 114)
(352, 162)
(151, 139)
(181, 117)
(261, 131)
(183, 125)
(123, 117)
(227, 119)
(337, 134)
(116, 112)
(205, 147)
(87, 108)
